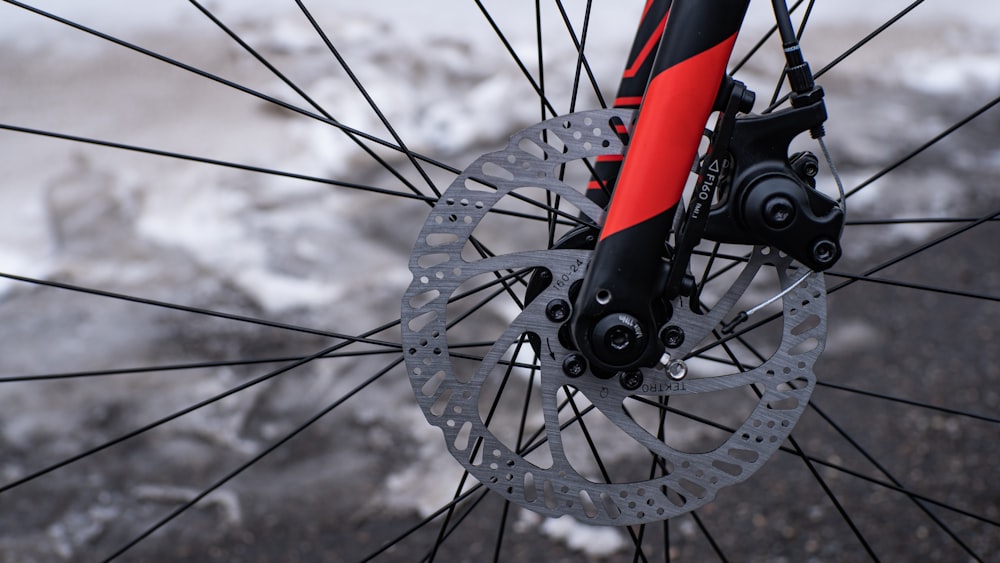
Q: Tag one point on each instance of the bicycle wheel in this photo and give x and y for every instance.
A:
(211, 211)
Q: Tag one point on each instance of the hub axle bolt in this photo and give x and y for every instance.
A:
(631, 380)
(557, 311)
(574, 365)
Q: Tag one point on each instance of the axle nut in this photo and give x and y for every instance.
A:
(619, 339)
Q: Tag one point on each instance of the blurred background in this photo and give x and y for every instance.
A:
(295, 250)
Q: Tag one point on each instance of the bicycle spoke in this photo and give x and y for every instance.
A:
(541, 63)
(761, 42)
(171, 417)
(909, 402)
(200, 311)
(879, 31)
(475, 450)
(503, 530)
(371, 103)
(263, 453)
(298, 90)
(875, 479)
(914, 221)
(831, 465)
(582, 64)
(214, 162)
(918, 249)
(930, 143)
(882, 469)
(477, 488)
(230, 84)
(845, 516)
(914, 286)
(853, 49)
(711, 539)
(517, 59)
(867, 273)
(444, 531)
(183, 367)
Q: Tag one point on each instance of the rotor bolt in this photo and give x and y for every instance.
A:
(574, 365)
(672, 336)
(631, 380)
(677, 370)
(824, 251)
(557, 311)
(779, 212)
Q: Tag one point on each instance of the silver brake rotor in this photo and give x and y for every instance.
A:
(452, 399)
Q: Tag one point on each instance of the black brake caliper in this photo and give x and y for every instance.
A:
(771, 197)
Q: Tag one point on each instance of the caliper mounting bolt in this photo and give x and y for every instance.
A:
(825, 251)
(779, 212)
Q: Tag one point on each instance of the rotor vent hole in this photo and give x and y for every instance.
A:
(786, 404)
(432, 384)
(421, 299)
(476, 186)
(530, 492)
(589, 508)
(420, 322)
(610, 507)
(441, 239)
(807, 324)
(495, 170)
(555, 142)
(746, 456)
(477, 459)
(462, 439)
(431, 260)
(695, 489)
(794, 385)
(730, 468)
(532, 148)
(439, 406)
(673, 496)
(807, 345)
(549, 495)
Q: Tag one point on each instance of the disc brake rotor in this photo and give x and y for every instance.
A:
(451, 374)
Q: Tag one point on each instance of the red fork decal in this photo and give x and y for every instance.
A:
(665, 142)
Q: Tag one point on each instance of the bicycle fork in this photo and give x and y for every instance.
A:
(749, 190)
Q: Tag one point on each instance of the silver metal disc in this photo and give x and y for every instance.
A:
(469, 387)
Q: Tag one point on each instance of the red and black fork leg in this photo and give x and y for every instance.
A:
(619, 304)
(630, 92)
